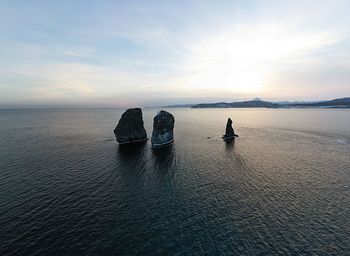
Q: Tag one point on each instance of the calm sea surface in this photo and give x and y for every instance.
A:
(282, 188)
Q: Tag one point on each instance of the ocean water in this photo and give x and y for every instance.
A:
(282, 188)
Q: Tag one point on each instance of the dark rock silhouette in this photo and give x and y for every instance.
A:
(230, 133)
(130, 128)
(163, 126)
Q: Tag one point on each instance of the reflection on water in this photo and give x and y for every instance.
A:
(132, 161)
(281, 188)
(230, 145)
(131, 151)
(140, 161)
(164, 160)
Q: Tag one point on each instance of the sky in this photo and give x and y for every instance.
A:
(150, 53)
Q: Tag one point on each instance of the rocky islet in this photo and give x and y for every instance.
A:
(130, 128)
(163, 129)
(229, 133)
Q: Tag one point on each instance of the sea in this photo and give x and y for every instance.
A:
(281, 188)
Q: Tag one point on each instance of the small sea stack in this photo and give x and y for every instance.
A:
(130, 128)
(163, 126)
(230, 133)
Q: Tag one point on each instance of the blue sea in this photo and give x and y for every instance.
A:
(281, 188)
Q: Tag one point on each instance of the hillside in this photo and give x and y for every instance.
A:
(242, 104)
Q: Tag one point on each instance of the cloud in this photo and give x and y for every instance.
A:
(138, 53)
(240, 58)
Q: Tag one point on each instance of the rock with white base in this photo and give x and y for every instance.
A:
(163, 129)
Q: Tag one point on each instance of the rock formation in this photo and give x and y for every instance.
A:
(163, 126)
(230, 133)
(130, 128)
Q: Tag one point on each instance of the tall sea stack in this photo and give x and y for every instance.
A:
(130, 128)
(163, 126)
(230, 133)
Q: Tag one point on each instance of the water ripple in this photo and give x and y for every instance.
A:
(66, 188)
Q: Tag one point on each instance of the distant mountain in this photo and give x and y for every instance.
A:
(258, 103)
(336, 103)
(179, 106)
(296, 102)
(243, 104)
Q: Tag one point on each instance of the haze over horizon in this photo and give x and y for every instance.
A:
(118, 54)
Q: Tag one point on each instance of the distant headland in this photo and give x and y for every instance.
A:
(258, 103)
